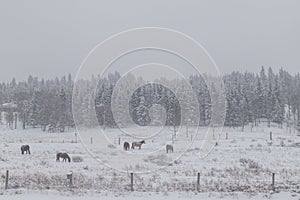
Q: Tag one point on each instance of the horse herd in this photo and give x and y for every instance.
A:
(126, 146)
(64, 156)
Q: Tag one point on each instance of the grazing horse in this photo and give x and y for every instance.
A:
(169, 148)
(126, 146)
(64, 156)
(138, 144)
(25, 148)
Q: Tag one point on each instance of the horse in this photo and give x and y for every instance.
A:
(25, 148)
(126, 146)
(64, 156)
(138, 144)
(169, 148)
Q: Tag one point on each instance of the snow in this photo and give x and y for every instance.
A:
(153, 196)
(238, 168)
(8, 105)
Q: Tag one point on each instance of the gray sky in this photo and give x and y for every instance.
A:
(51, 38)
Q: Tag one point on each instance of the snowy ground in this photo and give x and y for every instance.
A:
(239, 167)
(154, 196)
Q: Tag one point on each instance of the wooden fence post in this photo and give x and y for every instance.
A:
(273, 181)
(271, 136)
(172, 139)
(131, 181)
(187, 131)
(16, 120)
(198, 182)
(119, 141)
(6, 179)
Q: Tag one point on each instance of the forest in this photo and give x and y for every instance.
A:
(252, 98)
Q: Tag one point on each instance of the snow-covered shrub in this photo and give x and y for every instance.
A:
(111, 146)
(259, 145)
(3, 159)
(77, 159)
(248, 163)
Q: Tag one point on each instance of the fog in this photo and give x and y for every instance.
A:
(52, 38)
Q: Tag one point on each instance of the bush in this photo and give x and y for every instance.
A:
(77, 159)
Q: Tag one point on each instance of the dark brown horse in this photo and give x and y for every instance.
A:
(25, 149)
(64, 156)
(138, 144)
(169, 148)
(126, 146)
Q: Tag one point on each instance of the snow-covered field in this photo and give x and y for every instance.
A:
(239, 167)
(154, 196)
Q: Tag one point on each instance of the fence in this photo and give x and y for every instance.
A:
(134, 182)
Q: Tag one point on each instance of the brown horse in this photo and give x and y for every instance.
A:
(126, 146)
(64, 156)
(138, 144)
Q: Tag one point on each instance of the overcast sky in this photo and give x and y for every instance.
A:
(51, 38)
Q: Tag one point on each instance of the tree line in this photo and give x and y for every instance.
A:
(252, 98)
